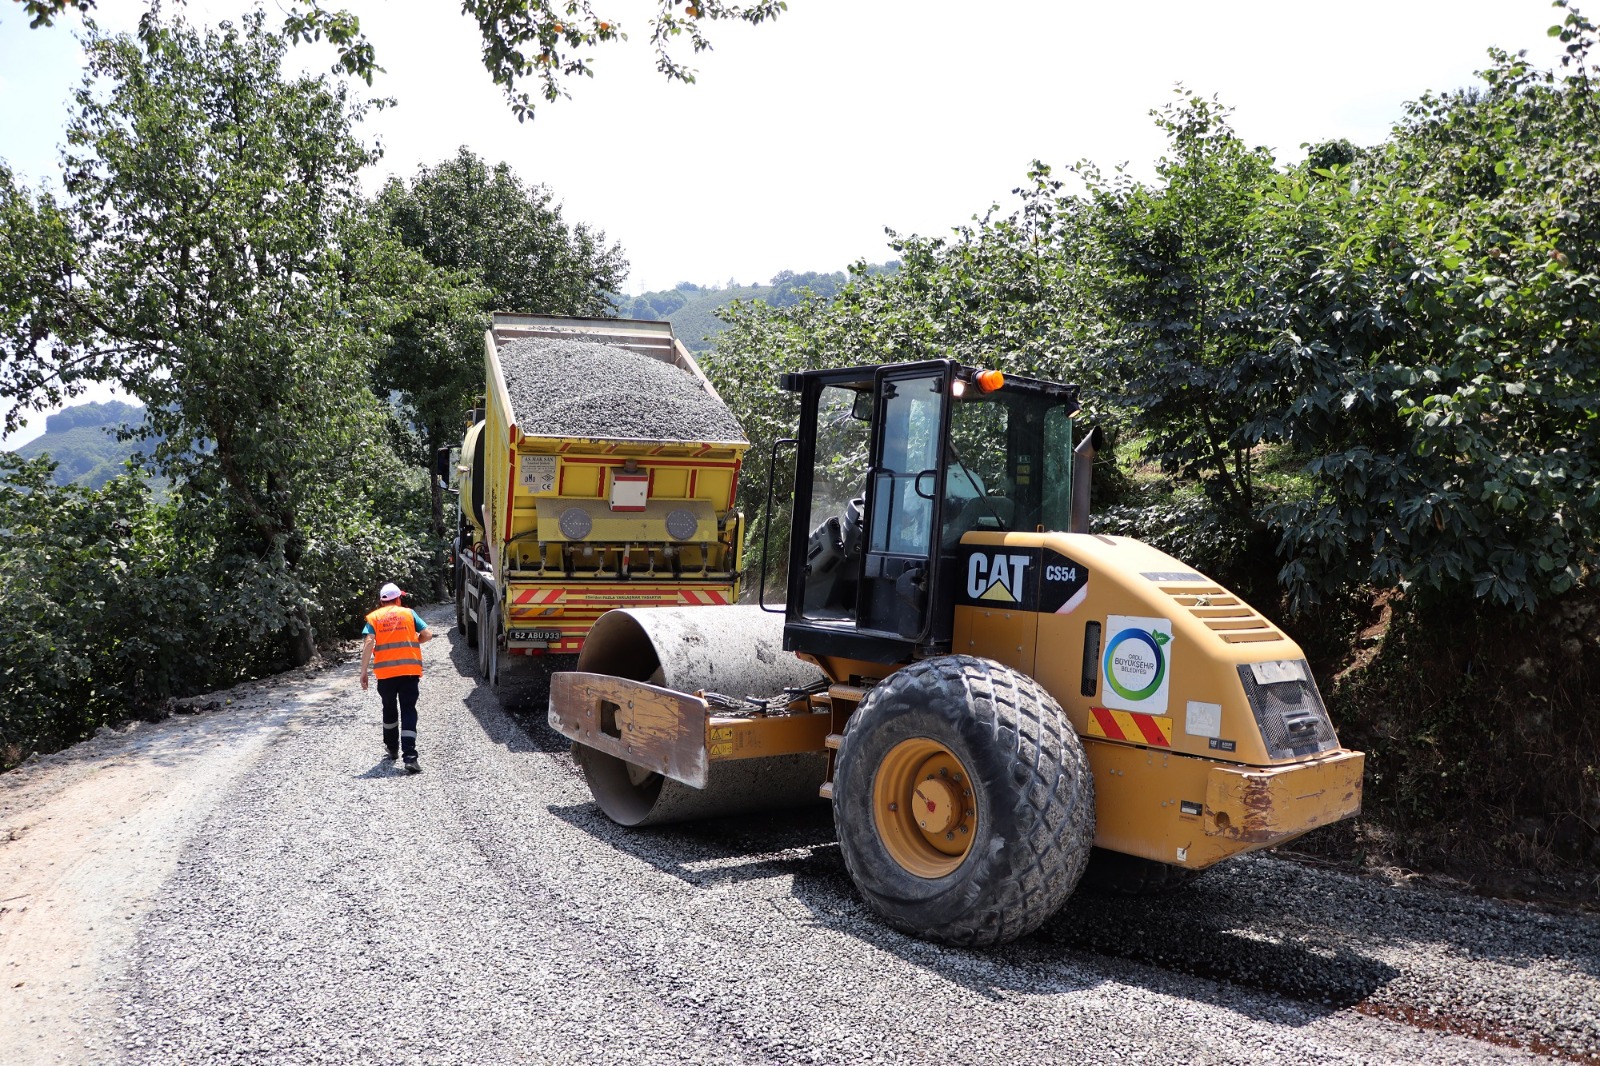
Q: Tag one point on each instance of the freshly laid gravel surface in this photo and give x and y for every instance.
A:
(331, 909)
(570, 388)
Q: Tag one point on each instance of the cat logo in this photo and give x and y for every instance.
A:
(997, 578)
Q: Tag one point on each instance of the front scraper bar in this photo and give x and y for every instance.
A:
(673, 733)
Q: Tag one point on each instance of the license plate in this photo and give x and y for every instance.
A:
(547, 635)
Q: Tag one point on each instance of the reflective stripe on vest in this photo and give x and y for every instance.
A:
(396, 650)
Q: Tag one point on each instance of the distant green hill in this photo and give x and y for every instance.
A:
(83, 442)
(692, 309)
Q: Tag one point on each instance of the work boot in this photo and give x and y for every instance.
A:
(412, 767)
(391, 753)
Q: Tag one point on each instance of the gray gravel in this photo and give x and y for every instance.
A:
(333, 910)
(569, 388)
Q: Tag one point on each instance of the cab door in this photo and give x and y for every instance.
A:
(904, 499)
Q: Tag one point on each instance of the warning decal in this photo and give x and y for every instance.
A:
(1152, 729)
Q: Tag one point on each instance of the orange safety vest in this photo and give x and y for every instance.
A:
(397, 652)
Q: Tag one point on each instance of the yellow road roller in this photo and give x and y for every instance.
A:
(992, 697)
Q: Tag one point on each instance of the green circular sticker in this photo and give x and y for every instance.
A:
(1135, 665)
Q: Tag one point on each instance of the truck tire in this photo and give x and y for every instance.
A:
(963, 802)
(459, 579)
(463, 618)
(486, 640)
(1112, 873)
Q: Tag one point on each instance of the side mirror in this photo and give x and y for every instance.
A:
(441, 464)
(861, 409)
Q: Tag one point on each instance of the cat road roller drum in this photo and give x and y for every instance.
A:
(679, 714)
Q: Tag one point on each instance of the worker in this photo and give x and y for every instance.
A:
(394, 636)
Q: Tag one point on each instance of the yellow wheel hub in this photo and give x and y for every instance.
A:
(923, 807)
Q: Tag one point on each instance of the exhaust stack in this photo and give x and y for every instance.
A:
(1083, 477)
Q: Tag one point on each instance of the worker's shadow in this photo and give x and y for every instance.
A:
(384, 768)
(1201, 930)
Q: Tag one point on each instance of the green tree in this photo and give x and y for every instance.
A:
(466, 216)
(37, 257)
(492, 242)
(1193, 326)
(99, 603)
(545, 41)
(222, 272)
(1451, 341)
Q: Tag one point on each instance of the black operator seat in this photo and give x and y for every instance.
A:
(833, 559)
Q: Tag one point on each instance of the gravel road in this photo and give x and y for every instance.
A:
(322, 907)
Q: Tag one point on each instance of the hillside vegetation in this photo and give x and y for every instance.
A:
(84, 442)
(696, 311)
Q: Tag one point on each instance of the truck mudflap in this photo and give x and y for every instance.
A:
(1261, 806)
(675, 734)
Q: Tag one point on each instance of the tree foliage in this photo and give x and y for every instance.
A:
(1412, 328)
(467, 216)
(489, 241)
(1448, 330)
(1181, 276)
(93, 584)
(231, 283)
(37, 254)
(547, 42)
(213, 260)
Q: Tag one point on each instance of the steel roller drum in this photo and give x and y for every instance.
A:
(735, 651)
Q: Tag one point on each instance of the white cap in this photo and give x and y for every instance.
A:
(390, 591)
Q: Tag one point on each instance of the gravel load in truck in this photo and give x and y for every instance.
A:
(572, 388)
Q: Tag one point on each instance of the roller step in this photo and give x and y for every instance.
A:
(847, 693)
(833, 740)
(826, 791)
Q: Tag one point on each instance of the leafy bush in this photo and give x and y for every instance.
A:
(106, 621)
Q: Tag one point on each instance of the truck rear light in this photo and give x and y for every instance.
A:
(681, 524)
(575, 523)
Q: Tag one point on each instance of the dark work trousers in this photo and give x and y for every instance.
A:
(399, 695)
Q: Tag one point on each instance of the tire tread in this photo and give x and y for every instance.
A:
(1051, 814)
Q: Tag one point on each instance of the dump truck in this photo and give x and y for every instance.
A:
(992, 697)
(600, 472)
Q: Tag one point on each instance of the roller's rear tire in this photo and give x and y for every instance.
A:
(1112, 873)
(963, 802)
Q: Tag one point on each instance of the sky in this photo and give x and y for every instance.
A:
(803, 139)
